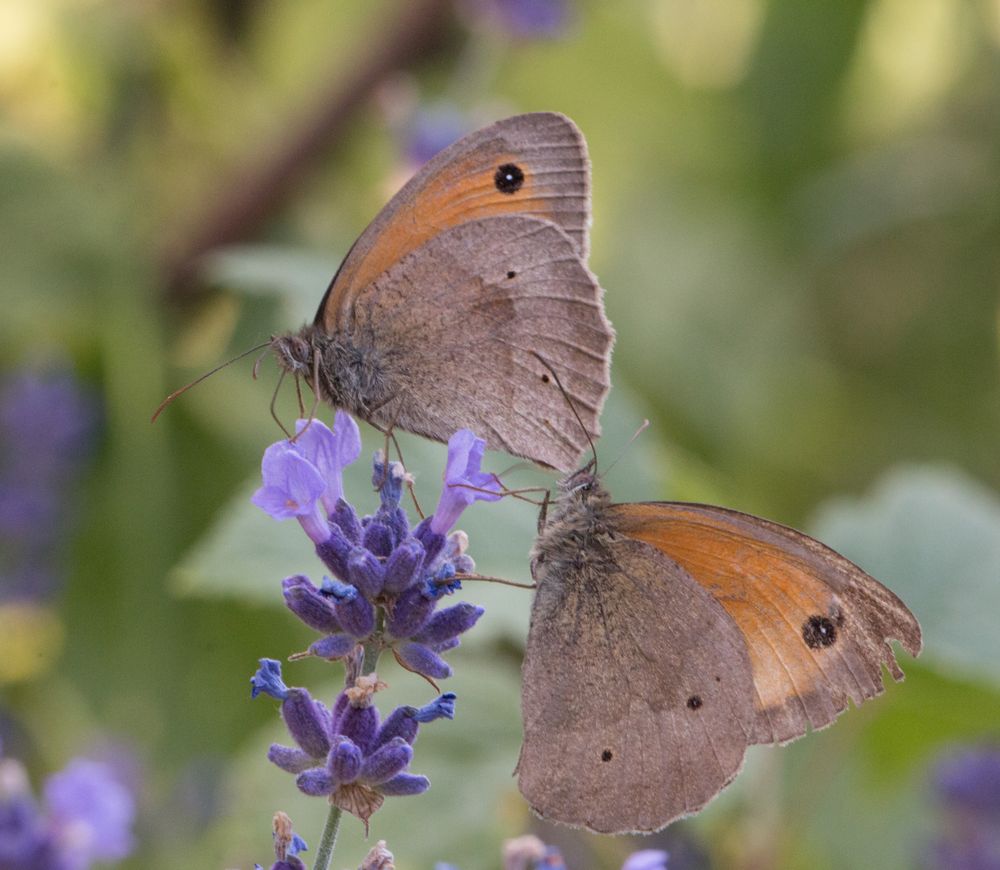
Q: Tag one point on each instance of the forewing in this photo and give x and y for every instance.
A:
(817, 627)
(460, 185)
(456, 325)
(637, 695)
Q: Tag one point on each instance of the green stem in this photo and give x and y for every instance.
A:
(329, 839)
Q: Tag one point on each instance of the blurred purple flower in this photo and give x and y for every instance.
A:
(526, 19)
(92, 811)
(47, 424)
(464, 483)
(967, 783)
(87, 816)
(430, 130)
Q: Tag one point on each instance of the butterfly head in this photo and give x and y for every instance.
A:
(294, 353)
(584, 485)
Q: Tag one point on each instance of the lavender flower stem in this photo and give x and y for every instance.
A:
(329, 839)
(374, 647)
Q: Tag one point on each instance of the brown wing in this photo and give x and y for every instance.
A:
(455, 325)
(637, 695)
(816, 626)
(533, 164)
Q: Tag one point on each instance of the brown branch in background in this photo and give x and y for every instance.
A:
(254, 195)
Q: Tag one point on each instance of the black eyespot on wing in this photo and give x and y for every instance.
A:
(694, 702)
(818, 631)
(508, 178)
(512, 274)
(545, 379)
(606, 755)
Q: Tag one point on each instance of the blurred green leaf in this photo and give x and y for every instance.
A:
(932, 535)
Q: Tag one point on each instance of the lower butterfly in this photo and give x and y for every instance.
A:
(666, 638)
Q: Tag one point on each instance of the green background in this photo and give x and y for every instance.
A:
(796, 214)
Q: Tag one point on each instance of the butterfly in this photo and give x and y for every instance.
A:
(666, 638)
(434, 321)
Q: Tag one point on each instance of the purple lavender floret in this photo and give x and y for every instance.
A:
(346, 754)
(377, 562)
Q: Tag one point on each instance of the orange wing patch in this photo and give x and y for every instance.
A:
(816, 626)
(532, 165)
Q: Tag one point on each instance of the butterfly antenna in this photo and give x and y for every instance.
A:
(200, 378)
(569, 402)
(638, 432)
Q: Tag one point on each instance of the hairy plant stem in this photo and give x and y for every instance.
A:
(329, 839)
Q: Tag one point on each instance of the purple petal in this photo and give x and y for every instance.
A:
(379, 538)
(334, 550)
(288, 759)
(442, 707)
(405, 784)
(347, 519)
(465, 456)
(267, 680)
(309, 604)
(360, 724)
(387, 761)
(399, 723)
(344, 762)
(315, 782)
(365, 571)
(308, 722)
(417, 657)
(356, 615)
(403, 567)
(329, 451)
(292, 486)
(409, 613)
(333, 647)
(449, 623)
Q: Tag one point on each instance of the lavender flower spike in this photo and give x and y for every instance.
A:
(463, 481)
(330, 452)
(292, 487)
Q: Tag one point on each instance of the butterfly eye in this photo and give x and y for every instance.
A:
(508, 178)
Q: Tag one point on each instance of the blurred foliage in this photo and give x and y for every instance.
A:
(796, 209)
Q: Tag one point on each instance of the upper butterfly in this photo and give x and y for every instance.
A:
(666, 638)
(435, 319)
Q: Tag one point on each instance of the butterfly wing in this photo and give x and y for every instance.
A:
(816, 626)
(454, 327)
(637, 692)
(533, 164)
